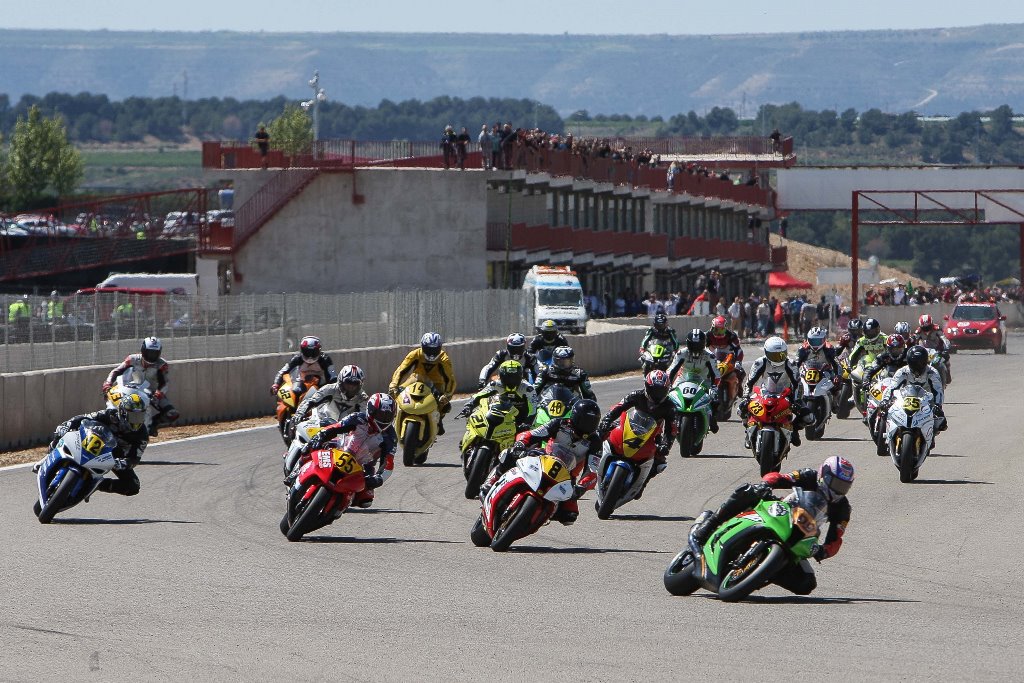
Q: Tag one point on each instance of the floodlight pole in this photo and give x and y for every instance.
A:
(854, 256)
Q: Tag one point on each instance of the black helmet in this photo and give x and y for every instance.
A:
(856, 328)
(563, 356)
(515, 344)
(511, 374)
(696, 341)
(917, 358)
(872, 328)
(310, 348)
(661, 322)
(549, 330)
(657, 385)
(585, 417)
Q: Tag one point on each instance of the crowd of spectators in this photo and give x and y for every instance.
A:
(909, 295)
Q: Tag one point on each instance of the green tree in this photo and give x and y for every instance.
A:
(292, 131)
(41, 159)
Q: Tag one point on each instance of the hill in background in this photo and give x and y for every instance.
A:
(936, 71)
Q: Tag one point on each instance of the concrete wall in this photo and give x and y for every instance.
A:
(416, 228)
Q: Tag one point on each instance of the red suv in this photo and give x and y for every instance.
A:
(976, 326)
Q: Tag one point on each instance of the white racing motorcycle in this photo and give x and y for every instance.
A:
(74, 468)
(816, 383)
(133, 382)
(909, 430)
(319, 417)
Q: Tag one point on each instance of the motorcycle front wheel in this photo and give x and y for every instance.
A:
(908, 457)
(612, 493)
(517, 527)
(479, 466)
(688, 436)
(59, 499)
(309, 518)
(766, 453)
(478, 534)
(410, 442)
(680, 576)
(843, 409)
(756, 571)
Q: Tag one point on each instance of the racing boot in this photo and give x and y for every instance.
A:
(659, 467)
(567, 512)
(713, 423)
(703, 526)
(363, 499)
(748, 435)
(795, 438)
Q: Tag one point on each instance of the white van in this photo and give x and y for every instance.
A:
(173, 283)
(557, 296)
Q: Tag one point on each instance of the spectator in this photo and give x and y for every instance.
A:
(673, 171)
(620, 304)
(448, 146)
(54, 308)
(262, 138)
(486, 148)
(653, 306)
(462, 147)
(763, 316)
(736, 316)
(899, 295)
(776, 138)
(808, 315)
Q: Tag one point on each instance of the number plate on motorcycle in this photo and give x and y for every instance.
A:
(812, 375)
(911, 403)
(756, 409)
(92, 444)
(556, 409)
(346, 462)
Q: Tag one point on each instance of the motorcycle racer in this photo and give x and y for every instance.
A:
(563, 371)
(549, 338)
(374, 442)
(128, 423)
(894, 357)
(346, 393)
(833, 479)
(662, 333)
(310, 360)
(148, 364)
(917, 371)
(695, 358)
(721, 337)
(578, 434)
(929, 335)
(511, 384)
(817, 348)
(776, 364)
(854, 331)
(872, 342)
(515, 349)
(431, 362)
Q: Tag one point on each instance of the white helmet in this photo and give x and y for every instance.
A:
(776, 353)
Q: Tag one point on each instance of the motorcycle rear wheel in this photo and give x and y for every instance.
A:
(908, 458)
(478, 534)
(739, 583)
(309, 518)
(59, 498)
(410, 442)
(478, 470)
(766, 453)
(680, 576)
(612, 493)
(843, 409)
(517, 527)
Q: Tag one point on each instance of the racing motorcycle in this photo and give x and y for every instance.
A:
(654, 357)
(556, 400)
(133, 382)
(940, 362)
(909, 430)
(319, 417)
(816, 393)
(627, 458)
(729, 388)
(525, 498)
(693, 406)
(74, 468)
(845, 401)
(490, 429)
(857, 378)
(416, 423)
(323, 489)
(875, 411)
(289, 396)
(748, 551)
(770, 425)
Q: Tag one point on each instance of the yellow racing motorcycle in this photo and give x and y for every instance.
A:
(417, 420)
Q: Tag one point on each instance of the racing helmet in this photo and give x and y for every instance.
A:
(872, 328)
(310, 348)
(895, 344)
(660, 322)
(656, 385)
(515, 344)
(549, 330)
(563, 357)
(835, 477)
(151, 348)
(696, 341)
(586, 415)
(917, 359)
(131, 412)
(816, 337)
(511, 374)
(902, 328)
(431, 343)
(718, 325)
(380, 409)
(351, 380)
(856, 328)
(925, 323)
(776, 353)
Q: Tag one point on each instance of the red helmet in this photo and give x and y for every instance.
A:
(310, 348)
(895, 343)
(925, 322)
(657, 385)
(718, 324)
(381, 409)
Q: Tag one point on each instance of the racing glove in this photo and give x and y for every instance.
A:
(158, 395)
(106, 387)
(393, 390)
(373, 481)
(274, 388)
(819, 553)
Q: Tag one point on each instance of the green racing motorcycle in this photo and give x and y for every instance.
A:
(746, 553)
(692, 401)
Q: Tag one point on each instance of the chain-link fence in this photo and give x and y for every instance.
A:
(87, 329)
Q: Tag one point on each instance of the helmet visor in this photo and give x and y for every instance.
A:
(431, 353)
(150, 355)
(563, 363)
(839, 486)
(775, 356)
(136, 418)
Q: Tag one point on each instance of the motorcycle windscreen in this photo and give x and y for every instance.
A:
(637, 429)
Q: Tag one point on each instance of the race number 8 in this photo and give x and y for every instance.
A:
(554, 469)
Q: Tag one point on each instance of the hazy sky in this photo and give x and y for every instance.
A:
(509, 16)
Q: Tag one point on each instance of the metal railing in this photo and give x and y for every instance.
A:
(91, 329)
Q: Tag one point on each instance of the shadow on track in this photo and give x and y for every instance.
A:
(437, 464)
(807, 600)
(385, 511)
(652, 518)
(581, 550)
(93, 520)
(716, 456)
(958, 403)
(952, 481)
(843, 438)
(382, 540)
(946, 455)
(177, 462)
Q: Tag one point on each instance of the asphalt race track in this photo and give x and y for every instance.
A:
(192, 578)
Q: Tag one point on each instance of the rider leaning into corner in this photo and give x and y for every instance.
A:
(429, 362)
(310, 360)
(155, 370)
(346, 395)
(833, 479)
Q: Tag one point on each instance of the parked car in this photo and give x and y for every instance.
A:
(976, 326)
(225, 216)
(181, 223)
